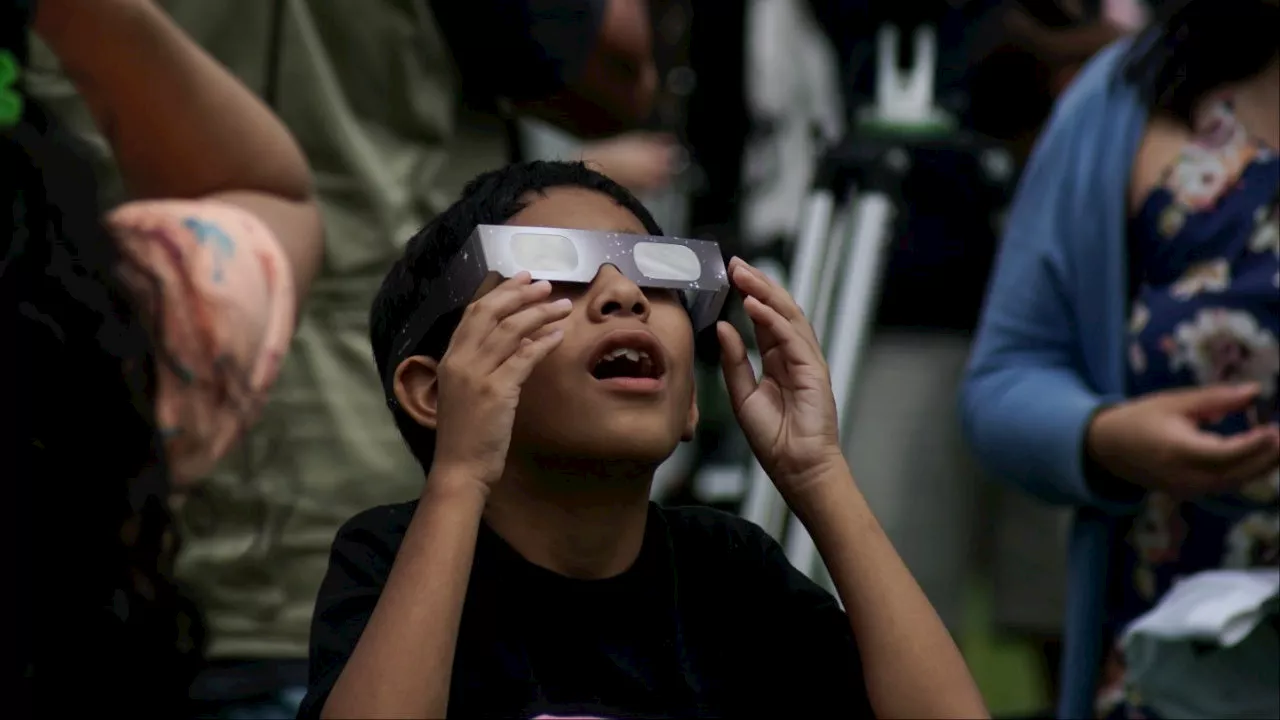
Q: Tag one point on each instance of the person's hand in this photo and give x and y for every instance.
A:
(499, 340)
(639, 161)
(1157, 443)
(789, 413)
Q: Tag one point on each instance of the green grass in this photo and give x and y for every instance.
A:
(1007, 671)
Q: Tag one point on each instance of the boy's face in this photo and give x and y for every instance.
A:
(575, 406)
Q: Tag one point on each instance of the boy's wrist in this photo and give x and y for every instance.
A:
(455, 484)
(814, 491)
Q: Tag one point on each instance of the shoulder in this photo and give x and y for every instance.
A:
(1081, 162)
(1099, 108)
(383, 526)
(714, 531)
(1100, 81)
(365, 548)
(721, 548)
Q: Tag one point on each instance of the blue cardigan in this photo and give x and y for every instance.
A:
(1050, 346)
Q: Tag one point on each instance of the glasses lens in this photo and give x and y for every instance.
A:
(667, 261)
(537, 252)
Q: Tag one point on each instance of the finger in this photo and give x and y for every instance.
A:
(1246, 472)
(754, 283)
(506, 337)
(520, 364)
(739, 376)
(773, 330)
(1219, 454)
(1210, 404)
(509, 296)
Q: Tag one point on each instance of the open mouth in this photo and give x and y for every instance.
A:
(628, 356)
(625, 363)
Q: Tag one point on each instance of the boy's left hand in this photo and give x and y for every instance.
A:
(789, 413)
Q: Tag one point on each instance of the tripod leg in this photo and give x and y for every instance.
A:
(873, 218)
(764, 506)
(824, 294)
(811, 247)
(855, 309)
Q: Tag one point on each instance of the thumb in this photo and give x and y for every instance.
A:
(1215, 401)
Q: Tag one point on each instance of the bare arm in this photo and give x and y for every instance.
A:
(402, 665)
(180, 125)
(912, 667)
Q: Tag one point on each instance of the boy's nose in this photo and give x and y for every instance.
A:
(614, 294)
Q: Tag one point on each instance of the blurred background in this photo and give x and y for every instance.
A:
(864, 151)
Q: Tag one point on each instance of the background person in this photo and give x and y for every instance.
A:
(1126, 362)
(138, 343)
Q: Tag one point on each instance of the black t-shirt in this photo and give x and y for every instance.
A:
(710, 621)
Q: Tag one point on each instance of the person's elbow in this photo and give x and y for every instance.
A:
(296, 223)
(988, 431)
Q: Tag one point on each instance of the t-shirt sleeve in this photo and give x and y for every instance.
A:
(812, 635)
(520, 49)
(359, 564)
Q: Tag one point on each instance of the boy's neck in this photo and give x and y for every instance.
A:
(582, 520)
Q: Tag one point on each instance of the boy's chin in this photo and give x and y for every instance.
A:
(602, 444)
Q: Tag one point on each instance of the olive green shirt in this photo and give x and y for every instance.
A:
(369, 89)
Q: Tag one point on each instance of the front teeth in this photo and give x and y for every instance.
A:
(628, 353)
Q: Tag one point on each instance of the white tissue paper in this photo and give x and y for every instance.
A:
(1210, 648)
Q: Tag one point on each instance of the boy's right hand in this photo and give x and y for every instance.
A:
(1156, 441)
(499, 340)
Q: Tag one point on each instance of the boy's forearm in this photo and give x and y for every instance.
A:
(179, 123)
(911, 665)
(402, 665)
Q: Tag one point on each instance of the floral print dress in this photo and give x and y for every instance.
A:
(1206, 252)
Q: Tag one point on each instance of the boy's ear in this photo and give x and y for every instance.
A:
(417, 390)
(691, 422)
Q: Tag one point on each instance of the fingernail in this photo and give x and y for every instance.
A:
(522, 275)
(563, 303)
(555, 334)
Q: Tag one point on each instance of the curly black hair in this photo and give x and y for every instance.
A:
(99, 622)
(490, 199)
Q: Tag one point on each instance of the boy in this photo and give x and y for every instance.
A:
(532, 577)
